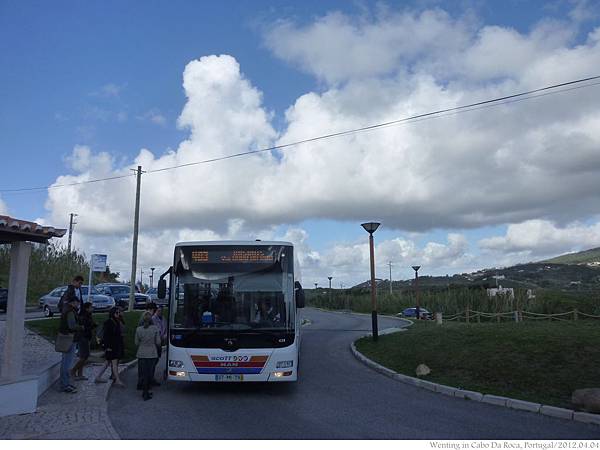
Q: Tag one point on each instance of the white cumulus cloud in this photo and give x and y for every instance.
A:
(511, 164)
(542, 238)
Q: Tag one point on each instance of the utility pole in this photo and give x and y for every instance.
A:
(390, 264)
(71, 223)
(136, 224)
(152, 277)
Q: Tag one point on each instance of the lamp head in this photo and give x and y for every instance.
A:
(416, 268)
(370, 227)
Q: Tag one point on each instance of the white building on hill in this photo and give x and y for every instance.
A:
(509, 292)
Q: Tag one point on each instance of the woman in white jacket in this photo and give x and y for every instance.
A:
(147, 337)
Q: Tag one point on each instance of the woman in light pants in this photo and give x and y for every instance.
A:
(65, 370)
(147, 337)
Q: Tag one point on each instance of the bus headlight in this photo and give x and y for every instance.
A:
(175, 363)
(177, 373)
(282, 374)
(284, 364)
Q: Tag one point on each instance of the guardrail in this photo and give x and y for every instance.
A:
(470, 315)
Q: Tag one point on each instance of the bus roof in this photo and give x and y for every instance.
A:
(209, 243)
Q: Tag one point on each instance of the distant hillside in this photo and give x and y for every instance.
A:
(564, 277)
(585, 257)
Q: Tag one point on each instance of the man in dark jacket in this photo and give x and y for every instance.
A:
(69, 325)
(73, 291)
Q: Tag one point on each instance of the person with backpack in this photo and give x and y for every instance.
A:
(83, 339)
(69, 326)
(114, 345)
(147, 338)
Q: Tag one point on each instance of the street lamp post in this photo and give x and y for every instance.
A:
(390, 264)
(371, 227)
(418, 308)
(329, 278)
(152, 277)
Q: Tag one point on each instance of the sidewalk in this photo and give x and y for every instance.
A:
(37, 351)
(66, 416)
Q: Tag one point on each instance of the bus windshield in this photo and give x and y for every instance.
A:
(229, 288)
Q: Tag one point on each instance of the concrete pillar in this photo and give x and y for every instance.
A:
(438, 318)
(12, 363)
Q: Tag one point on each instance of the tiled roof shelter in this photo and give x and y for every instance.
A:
(15, 230)
(18, 394)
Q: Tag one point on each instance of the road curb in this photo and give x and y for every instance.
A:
(521, 405)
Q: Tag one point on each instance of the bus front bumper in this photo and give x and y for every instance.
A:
(278, 376)
(244, 365)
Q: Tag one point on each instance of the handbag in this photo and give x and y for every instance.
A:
(63, 342)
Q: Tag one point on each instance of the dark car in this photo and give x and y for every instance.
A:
(3, 299)
(412, 312)
(120, 292)
(153, 294)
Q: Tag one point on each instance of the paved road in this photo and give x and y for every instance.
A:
(336, 398)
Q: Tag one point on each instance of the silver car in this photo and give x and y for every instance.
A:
(49, 302)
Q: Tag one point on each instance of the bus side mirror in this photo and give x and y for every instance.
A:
(162, 289)
(299, 292)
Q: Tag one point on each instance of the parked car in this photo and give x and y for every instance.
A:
(153, 294)
(120, 292)
(49, 302)
(3, 299)
(100, 302)
(412, 312)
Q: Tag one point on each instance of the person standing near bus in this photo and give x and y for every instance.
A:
(159, 321)
(147, 339)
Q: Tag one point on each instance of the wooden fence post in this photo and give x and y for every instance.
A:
(478, 318)
(467, 315)
(575, 314)
(498, 317)
(438, 318)
(517, 316)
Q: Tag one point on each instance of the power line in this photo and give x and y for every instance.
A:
(521, 96)
(415, 118)
(56, 186)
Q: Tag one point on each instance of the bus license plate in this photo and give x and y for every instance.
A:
(229, 377)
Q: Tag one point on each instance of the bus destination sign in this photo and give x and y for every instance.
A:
(233, 256)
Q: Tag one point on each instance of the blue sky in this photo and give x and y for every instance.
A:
(108, 76)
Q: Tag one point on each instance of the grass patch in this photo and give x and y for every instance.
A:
(48, 328)
(539, 362)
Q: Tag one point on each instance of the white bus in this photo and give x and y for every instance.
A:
(233, 312)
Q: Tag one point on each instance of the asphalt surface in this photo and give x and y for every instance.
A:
(336, 397)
